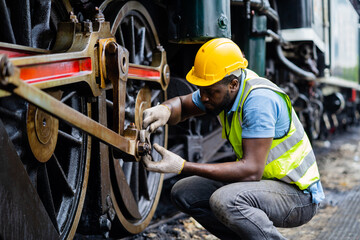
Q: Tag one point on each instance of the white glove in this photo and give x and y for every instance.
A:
(171, 163)
(156, 117)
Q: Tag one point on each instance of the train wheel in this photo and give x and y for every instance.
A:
(134, 29)
(317, 111)
(55, 155)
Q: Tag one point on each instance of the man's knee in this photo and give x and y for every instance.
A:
(221, 204)
(193, 193)
(183, 193)
(225, 201)
(218, 201)
(178, 195)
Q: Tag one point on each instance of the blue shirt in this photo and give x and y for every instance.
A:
(261, 119)
(265, 115)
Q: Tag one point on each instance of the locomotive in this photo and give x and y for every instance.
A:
(76, 76)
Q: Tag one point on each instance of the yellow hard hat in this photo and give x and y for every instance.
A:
(214, 60)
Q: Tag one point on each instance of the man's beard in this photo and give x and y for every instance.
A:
(224, 105)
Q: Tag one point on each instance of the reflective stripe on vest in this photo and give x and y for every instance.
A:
(295, 146)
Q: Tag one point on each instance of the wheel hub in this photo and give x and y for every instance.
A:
(42, 131)
(44, 126)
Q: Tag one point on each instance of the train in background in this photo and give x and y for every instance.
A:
(309, 48)
(109, 60)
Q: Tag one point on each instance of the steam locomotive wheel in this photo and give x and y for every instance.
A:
(317, 115)
(134, 29)
(55, 155)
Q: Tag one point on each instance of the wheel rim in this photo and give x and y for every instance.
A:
(133, 29)
(61, 180)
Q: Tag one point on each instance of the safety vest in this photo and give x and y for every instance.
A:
(291, 158)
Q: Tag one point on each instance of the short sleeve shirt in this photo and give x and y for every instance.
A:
(265, 113)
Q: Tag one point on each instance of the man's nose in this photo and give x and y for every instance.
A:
(204, 97)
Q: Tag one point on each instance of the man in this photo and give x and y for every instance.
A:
(275, 181)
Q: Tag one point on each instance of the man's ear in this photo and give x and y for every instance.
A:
(234, 85)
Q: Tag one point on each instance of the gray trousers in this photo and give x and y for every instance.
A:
(243, 210)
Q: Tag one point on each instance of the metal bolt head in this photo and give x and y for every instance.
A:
(6, 69)
(88, 28)
(111, 214)
(105, 223)
(111, 47)
(143, 149)
(73, 18)
(223, 21)
(99, 16)
(160, 48)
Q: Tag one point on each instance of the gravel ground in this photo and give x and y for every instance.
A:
(339, 166)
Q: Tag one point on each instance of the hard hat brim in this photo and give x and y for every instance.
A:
(191, 78)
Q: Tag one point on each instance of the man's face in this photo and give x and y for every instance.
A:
(215, 98)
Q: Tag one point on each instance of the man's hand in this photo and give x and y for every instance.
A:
(170, 163)
(156, 117)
